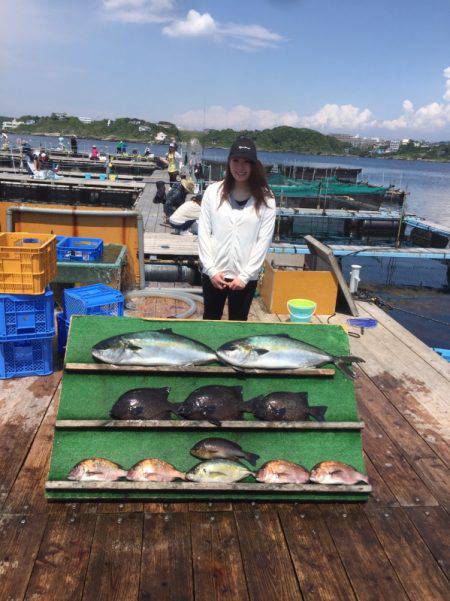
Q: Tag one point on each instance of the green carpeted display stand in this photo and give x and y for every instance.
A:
(88, 396)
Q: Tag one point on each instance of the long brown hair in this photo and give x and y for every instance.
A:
(257, 182)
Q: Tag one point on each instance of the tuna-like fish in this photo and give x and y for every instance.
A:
(218, 470)
(285, 406)
(336, 472)
(143, 403)
(96, 468)
(278, 471)
(153, 348)
(220, 448)
(154, 470)
(212, 403)
(280, 351)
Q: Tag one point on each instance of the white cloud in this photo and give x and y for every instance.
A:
(408, 106)
(195, 25)
(335, 117)
(139, 11)
(238, 117)
(447, 84)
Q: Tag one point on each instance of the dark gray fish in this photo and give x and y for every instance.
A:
(143, 403)
(285, 406)
(212, 403)
(220, 448)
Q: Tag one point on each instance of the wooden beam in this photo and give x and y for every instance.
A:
(180, 424)
(197, 369)
(206, 486)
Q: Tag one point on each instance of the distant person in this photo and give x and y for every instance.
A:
(177, 195)
(173, 158)
(186, 216)
(74, 144)
(94, 156)
(234, 233)
(61, 145)
(120, 148)
(5, 142)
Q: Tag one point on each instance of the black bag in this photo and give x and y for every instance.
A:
(160, 196)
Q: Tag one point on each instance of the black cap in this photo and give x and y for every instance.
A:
(243, 148)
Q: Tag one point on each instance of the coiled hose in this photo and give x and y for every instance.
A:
(187, 297)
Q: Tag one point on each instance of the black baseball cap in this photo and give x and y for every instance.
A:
(243, 148)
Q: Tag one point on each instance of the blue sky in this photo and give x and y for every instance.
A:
(359, 66)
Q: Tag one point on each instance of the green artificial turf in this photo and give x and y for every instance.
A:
(91, 396)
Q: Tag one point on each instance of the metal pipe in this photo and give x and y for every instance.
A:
(126, 213)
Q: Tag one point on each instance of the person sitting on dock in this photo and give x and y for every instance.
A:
(94, 156)
(177, 195)
(186, 216)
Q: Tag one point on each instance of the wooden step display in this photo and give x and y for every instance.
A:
(83, 428)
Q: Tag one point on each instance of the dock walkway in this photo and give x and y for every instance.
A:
(391, 548)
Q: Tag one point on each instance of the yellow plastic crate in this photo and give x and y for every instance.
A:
(27, 262)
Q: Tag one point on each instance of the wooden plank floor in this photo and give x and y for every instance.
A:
(394, 547)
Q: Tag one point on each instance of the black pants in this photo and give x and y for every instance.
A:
(173, 177)
(181, 227)
(239, 301)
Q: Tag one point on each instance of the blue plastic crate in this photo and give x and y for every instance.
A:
(97, 299)
(20, 358)
(84, 250)
(25, 316)
(63, 330)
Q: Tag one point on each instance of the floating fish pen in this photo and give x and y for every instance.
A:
(307, 173)
(73, 191)
(121, 166)
(332, 193)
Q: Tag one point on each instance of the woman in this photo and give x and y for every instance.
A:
(235, 230)
(173, 159)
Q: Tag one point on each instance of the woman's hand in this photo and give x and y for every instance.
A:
(218, 281)
(236, 284)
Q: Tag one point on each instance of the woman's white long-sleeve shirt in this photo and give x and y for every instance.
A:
(234, 241)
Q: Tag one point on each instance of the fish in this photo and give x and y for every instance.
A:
(213, 403)
(280, 351)
(143, 403)
(220, 448)
(285, 406)
(96, 468)
(154, 470)
(279, 471)
(336, 472)
(153, 348)
(222, 471)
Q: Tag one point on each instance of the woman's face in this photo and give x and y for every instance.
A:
(240, 169)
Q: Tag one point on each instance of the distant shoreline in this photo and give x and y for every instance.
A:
(329, 154)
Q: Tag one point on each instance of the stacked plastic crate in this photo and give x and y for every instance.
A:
(97, 299)
(27, 326)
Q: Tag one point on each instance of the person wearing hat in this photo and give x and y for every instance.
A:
(236, 225)
(177, 195)
(185, 217)
(94, 153)
(173, 158)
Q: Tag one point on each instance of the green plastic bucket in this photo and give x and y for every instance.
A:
(301, 309)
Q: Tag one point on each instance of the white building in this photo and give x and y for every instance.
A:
(144, 128)
(11, 124)
(160, 137)
(86, 120)
(394, 145)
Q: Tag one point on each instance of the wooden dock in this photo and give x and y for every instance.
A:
(157, 243)
(391, 548)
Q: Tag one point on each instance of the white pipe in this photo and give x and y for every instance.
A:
(354, 278)
(22, 209)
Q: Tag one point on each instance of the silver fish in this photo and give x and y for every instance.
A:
(153, 348)
(96, 468)
(218, 470)
(280, 351)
